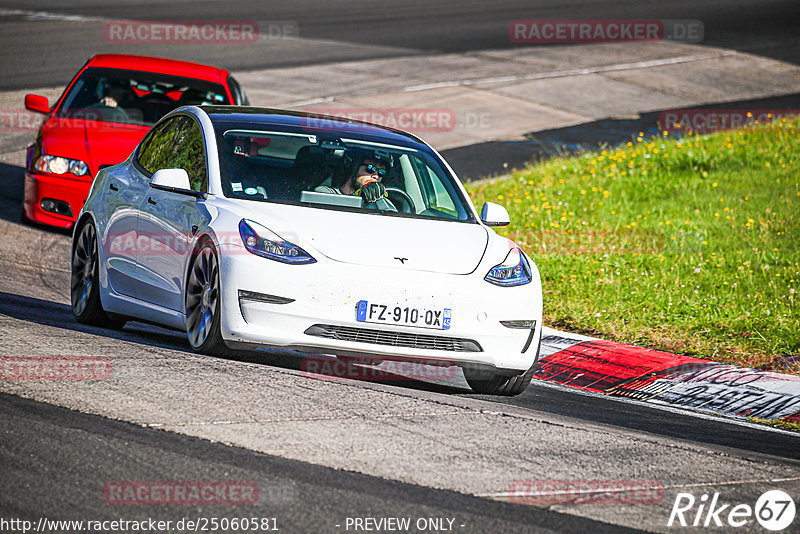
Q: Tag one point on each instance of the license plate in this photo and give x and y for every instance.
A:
(374, 312)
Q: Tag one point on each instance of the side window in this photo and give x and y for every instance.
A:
(154, 150)
(239, 98)
(436, 194)
(443, 201)
(187, 152)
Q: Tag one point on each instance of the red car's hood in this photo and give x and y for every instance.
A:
(97, 143)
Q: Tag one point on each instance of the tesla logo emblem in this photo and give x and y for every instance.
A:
(401, 260)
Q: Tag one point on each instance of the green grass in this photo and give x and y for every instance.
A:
(689, 245)
(778, 423)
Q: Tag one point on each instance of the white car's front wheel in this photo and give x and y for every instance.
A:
(203, 301)
(491, 383)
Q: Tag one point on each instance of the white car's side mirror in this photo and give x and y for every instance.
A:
(494, 215)
(175, 181)
(172, 178)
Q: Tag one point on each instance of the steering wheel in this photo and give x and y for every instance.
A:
(406, 205)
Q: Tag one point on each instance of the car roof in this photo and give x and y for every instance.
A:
(159, 65)
(280, 119)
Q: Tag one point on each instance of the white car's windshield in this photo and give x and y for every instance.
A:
(329, 172)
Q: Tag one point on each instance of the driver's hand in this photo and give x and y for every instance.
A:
(372, 192)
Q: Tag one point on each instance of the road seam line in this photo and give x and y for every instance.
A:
(572, 72)
(329, 418)
(628, 488)
(28, 266)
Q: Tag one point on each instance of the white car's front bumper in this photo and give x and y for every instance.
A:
(325, 296)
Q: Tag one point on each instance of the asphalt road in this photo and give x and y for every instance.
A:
(540, 398)
(39, 49)
(57, 463)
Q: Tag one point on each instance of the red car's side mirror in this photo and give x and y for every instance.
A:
(37, 103)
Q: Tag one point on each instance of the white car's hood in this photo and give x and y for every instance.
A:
(380, 240)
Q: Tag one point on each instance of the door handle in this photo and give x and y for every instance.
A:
(113, 187)
(151, 201)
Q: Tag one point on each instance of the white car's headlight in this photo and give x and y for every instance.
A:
(263, 242)
(59, 165)
(514, 271)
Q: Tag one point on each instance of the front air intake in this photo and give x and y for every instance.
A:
(394, 339)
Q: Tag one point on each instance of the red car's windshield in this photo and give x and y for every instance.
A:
(133, 97)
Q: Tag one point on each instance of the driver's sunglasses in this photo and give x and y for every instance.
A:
(374, 169)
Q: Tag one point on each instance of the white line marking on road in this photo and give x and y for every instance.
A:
(44, 15)
(572, 72)
(606, 489)
(310, 102)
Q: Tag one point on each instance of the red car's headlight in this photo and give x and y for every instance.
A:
(59, 165)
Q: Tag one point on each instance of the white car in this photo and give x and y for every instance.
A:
(239, 226)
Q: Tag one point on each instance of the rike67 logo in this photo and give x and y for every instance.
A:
(774, 510)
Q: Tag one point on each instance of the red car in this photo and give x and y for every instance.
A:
(105, 111)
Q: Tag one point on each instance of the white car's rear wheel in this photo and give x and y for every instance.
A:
(203, 301)
(84, 286)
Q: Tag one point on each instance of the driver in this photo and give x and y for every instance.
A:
(111, 105)
(115, 92)
(365, 180)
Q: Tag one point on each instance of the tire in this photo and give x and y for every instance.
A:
(23, 218)
(84, 281)
(501, 384)
(203, 303)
